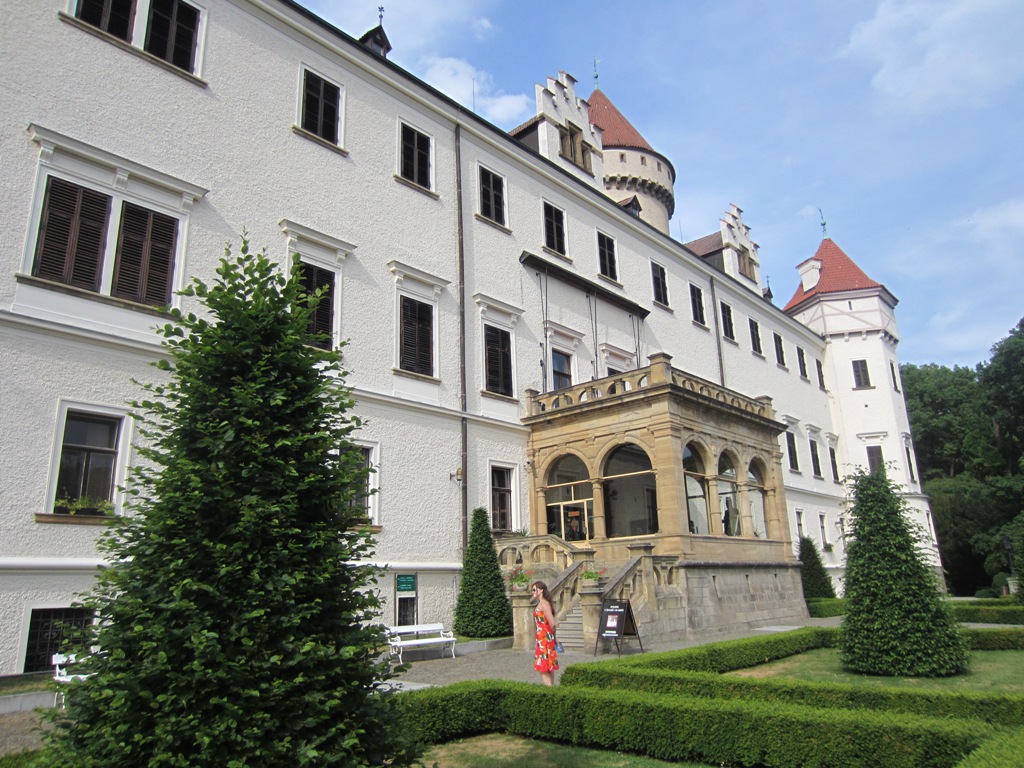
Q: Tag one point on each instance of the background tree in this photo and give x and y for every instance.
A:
(483, 609)
(1003, 381)
(813, 576)
(896, 622)
(234, 629)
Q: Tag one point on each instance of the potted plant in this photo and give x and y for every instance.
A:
(83, 505)
(518, 578)
(590, 577)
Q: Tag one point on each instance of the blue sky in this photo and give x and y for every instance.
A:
(902, 120)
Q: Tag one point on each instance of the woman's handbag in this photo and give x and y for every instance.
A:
(558, 647)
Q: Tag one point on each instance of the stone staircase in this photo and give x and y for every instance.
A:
(570, 629)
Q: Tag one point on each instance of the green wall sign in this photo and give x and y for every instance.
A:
(405, 582)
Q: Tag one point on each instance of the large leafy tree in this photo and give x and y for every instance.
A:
(483, 609)
(896, 623)
(1003, 381)
(234, 628)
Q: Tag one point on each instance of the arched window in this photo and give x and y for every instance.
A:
(727, 496)
(756, 492)
(570, 500)
(630, 494)
(696, 491)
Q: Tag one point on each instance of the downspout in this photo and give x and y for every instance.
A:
(715, 307)
(464, 421)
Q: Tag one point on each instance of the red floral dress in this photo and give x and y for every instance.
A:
(546, 657)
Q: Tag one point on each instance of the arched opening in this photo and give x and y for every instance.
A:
(570, 500)
(696, 491)
(630, 493)
(727, 496)
(757, 493)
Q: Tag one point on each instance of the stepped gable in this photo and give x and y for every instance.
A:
(837, 272)
(616, 130)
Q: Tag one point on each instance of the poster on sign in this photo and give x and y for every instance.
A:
(617, 621)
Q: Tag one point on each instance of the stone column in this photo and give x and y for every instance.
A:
(590, 603)
(600, 532)
(523, 627)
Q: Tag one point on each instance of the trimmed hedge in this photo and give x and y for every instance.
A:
(973, 611)
(684, 728)
(826, 607)
(1001, 751)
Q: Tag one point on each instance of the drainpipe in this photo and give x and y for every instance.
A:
(464, 421)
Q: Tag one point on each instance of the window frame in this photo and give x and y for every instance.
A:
(555, 231)
(780, 349)
(557, 375)
(418, 173)
(659, 284)
(336, 140)
(794, 458)
(728, 326)
(420, 286)
(801, 361)
(506, 364)
(821, 374)
(861, 374)
(499, 208)
(607, 260)
(510, 490)
(875, 459)
(697, 305)
(755, 337)
(815, 458)
(371, 501)
(325, 253)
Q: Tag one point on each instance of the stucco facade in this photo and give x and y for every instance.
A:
(223, 144)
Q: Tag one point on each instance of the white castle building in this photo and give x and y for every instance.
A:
(524, 335)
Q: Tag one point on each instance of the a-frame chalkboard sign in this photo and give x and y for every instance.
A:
(617, 621)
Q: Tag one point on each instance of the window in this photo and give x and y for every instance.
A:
(755, 337)
(72, 244)
(171, 30)
(361, 501)
(697, 304)
(834, 463)
(825, 546)
(910, 464)
(746, 264)
(321, 324)
(405, 599)
(728, 330)
(815, 461)
(696, 491)
(88, 463)
(321, 107)
(875, 461)
(799, 524)
(572, 147)
(554, 228)
(498, 360)
(415, 156)
(561, 369)
(801, 361)
(606, 256)
(895, 377)
(861, 380)
(794, 461)
(821, 374)
(47, 630)
(780, 351)
(659, 283)
(501, 498)
(416, 337)
(492, 196)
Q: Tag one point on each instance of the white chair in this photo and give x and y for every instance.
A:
(61, 662)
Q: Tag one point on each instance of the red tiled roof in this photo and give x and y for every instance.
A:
(702, 246)
(838, 273)
(617, 131)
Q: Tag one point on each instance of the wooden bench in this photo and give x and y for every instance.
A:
(412, 636)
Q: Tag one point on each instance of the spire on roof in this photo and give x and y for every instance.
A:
(376, 40)
(617, 131)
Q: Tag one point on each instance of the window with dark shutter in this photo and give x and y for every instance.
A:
(145, 256)
(321, 324)
(320, 105)
(875, 461)
(659, 282)
(72, 235)
(498, 360)
(794, 460)
(554, 228)
(417, 337)
(861, 378)
(606, 256)
(173, 32)
(801, 360)
(780, 350)
(115, 17)
(755, 336)
(415, 156)
(728, 329)
(697, 304)
(492, 196)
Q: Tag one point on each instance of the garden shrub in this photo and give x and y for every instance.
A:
(1003, 750)
(896, 622)
(482, 608)
(1007, 613)
(825, 608)
(813, 577)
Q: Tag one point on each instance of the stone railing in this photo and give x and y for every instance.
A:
(545, 553)
(592, 391)
(759, 406)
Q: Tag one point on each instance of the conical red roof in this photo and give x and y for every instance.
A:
(616, 131)
(838, 273)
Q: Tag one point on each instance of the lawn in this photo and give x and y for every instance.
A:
(500, 751)
(991, 672)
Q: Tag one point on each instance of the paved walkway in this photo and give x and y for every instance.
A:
(518, 665)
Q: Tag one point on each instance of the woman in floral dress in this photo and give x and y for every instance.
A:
(545, 656)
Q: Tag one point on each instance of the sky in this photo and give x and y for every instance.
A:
(898, 122)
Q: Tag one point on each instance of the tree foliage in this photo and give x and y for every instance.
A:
(896, 624)
(1003, 381)
(813, 576)
(483, 609)
(234, 629)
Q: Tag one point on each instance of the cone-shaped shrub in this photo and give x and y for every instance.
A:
(815, 579)
(896, 622)
(234, 629)
(483, 609)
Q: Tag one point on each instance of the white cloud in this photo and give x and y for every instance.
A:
(475, 89)
(483, 27)
(937, 54)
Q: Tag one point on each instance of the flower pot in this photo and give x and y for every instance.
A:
(590, 583)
